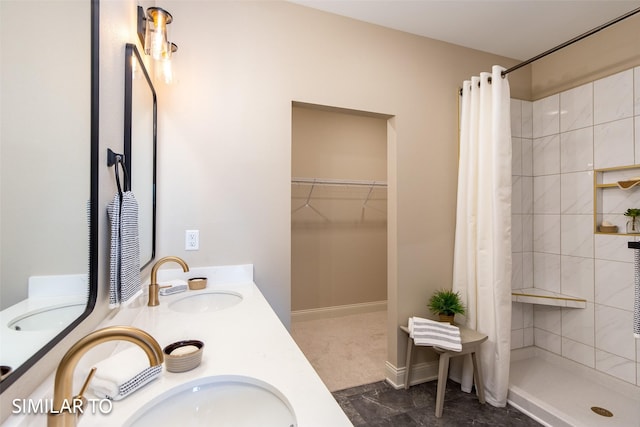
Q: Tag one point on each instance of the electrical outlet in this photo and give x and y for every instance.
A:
(192, 240)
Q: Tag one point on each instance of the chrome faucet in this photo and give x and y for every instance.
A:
(154, 288)
(67, 408)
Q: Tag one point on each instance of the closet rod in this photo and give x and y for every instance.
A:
(316, 181)
(572, 41)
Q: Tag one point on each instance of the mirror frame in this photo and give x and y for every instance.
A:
(93, 203)
(130, 51)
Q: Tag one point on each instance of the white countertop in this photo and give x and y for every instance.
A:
(245, 340)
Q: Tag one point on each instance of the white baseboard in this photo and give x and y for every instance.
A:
(338, 311)
(420, 373)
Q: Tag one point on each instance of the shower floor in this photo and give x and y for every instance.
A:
(558, 392)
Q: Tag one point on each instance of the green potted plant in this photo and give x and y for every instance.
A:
(446, 304)
(632, 225)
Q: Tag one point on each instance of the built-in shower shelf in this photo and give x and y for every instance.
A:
(544, 297)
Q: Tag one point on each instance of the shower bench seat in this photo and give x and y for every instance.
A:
(545, 297)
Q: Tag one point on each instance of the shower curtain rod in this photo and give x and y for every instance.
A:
(573, 40)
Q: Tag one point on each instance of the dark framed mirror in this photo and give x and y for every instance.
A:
(49, 177)
(140, 139)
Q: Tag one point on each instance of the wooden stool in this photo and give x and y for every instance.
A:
(471, 341)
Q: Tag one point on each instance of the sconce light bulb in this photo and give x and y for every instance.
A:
(157, 21)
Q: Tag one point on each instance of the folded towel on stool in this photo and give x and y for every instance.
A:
(436, 334)
(123, 373)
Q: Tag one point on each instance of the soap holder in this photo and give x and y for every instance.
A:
(197, 283)
(183, 356)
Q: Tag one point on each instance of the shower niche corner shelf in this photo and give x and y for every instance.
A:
(608, 181)
(544, 297)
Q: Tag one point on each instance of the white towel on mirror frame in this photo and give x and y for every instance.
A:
(426, 332)
(130, 284)
(124, 250)
(123, 373)
(113, 215)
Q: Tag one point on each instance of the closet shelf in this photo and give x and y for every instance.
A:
(342, 182)
(544, 297)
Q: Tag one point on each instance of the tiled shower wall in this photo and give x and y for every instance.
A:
(557, 143)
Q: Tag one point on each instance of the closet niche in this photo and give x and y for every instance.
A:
(338, 208)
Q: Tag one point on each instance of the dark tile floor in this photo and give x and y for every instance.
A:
(379, 404)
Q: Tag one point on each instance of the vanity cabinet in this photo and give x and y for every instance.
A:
(615, 190)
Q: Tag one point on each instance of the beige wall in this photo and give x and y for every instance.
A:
(225, 137)
(607, 52)
(225, 140)
(338, 248)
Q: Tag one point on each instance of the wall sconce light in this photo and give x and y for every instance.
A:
(152, 32)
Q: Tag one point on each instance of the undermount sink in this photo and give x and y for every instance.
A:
(47, 318)
(206, 302)
(218, 401)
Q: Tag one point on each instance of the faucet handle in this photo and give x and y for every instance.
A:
(83, 389)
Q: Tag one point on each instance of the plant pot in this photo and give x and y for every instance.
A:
(446, 318)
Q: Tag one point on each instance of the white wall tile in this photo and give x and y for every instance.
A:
(527, 233)
(517, 316)
(614, 284)
(517, 339)
(516, 156)
(578, 324)
(577, 277)
(576, 150)
(576, 108)
(527, 156)
(546, 117)
(636, 85)
(576, 193)
(528, 337)
(527, 269)
(516, 270)
(516, 194)
(546, 194)
(527, 119)
(516, 233)
(612, 247)
(576, 236)
(614, 331)
(613, 97)
(578, 352)
(613, 144)
(527, 316)
(547, 318)
(546, 271)
(637, 136)
(616, 366)
(546, 233)
(547, 340)
(516, 118)
(546, 155)
(527, 194)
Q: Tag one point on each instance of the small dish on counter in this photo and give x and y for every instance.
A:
(197, 283)
(183, 356)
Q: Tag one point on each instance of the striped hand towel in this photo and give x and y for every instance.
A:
(436, 334)
(124, 257)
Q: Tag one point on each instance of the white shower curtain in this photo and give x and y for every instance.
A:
(482, 254)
